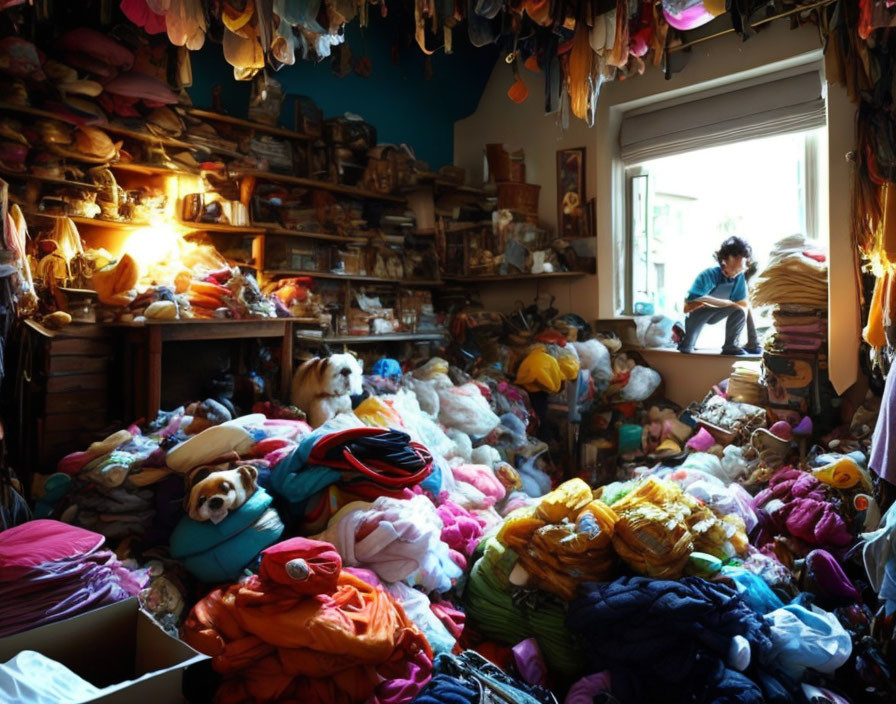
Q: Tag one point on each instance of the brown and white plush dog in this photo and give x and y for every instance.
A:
(322, 387)
(219, 492)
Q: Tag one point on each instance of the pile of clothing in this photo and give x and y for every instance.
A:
(304, 629)
(51, 571)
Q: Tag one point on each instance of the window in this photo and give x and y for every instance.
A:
(701, 171)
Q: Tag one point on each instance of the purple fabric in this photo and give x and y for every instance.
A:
(406, 688)
(831, 585)
(530, 662)
(883, 442)
(815, 522)
(790, 483)
(41, 594)
(584, 691)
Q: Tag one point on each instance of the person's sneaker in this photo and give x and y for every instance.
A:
(757, 349)
(686, 351)
(734, 351)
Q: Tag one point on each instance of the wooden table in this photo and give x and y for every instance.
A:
(155, 333)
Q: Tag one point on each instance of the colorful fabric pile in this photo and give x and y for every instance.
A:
(306, 630)
(50, 571)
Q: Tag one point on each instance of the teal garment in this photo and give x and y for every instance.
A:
(708, 279)
(294, 480)
(753, 589)
(218, 553)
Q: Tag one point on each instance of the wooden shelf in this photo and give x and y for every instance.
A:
(25, 176)
(151, 169)
(240, 122)
(321, 185)
(286, 232)
(141, 136)
(351, 277)
(517, 277)
(361, 339)
(431, 178)
(110, 127)
(221, 227)
(456, 227)
(79, 220)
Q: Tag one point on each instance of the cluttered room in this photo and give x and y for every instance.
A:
(372, 352)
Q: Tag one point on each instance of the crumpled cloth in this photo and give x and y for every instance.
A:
(461, 529)
(668, 641)
(273, 642)
(397, 539)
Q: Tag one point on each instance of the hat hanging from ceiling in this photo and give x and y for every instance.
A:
(688, 14)
(91, 145)
(141, 14)
(93, 51)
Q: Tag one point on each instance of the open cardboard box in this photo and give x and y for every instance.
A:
(116, 647)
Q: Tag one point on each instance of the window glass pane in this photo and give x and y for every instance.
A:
(755, 189)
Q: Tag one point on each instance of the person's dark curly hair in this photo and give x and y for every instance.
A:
(734, 247)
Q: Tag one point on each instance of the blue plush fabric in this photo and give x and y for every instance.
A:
(667, 641)
(386, 367)
(218, 553)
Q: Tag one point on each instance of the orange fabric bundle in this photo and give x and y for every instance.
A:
(274, 643)
(874, 330)
(564, 540)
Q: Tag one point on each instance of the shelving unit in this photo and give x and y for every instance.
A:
(25, 176)
(352, 277)
(248, 124)
(314, 184)
(371, 339)
(516, 277)
(79, 220)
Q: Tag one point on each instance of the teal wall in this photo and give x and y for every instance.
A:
(396, 98)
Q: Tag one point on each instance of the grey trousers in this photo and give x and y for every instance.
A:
(734, 316)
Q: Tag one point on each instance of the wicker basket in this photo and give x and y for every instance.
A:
(522, 197)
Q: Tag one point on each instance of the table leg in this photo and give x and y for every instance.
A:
(153, 371)
(286, 362)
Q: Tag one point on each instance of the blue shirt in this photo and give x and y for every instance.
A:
(708, 279)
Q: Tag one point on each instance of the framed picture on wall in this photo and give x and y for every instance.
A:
(572, 210)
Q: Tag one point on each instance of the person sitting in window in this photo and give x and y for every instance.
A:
(719, 293)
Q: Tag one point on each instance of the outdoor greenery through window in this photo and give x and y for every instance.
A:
(682, 207)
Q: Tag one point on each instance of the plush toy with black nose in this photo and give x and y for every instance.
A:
(219, 493)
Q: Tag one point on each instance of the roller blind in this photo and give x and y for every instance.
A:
(790, 104)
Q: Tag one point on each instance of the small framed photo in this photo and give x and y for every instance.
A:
(572, 208)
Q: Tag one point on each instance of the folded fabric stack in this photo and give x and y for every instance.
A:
(795, 281)
(50, 571)
(304, 629)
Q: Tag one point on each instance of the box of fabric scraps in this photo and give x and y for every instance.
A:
(116, 654)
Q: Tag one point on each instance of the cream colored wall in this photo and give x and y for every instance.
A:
(710, 63)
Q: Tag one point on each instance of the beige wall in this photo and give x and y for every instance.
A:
(713, 62)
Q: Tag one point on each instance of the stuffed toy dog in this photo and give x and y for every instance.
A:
(322, 387)
(217, 493)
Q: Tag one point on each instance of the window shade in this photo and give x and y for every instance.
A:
(790, 104)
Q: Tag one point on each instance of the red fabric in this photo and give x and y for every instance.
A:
(275, 644)
(45, 540)
(321, 560)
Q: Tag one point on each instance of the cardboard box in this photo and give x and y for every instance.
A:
(118, 647)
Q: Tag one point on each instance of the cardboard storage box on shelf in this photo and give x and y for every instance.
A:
(118, 648)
